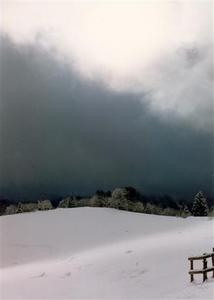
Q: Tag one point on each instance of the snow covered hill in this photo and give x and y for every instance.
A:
(101, 253)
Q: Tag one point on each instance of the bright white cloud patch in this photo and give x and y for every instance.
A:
(131, 45)
(114, 36)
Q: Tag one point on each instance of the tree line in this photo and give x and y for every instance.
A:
(127, 198)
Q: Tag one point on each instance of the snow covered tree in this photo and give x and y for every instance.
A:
(137, 207)
(64, 203)
(200, 207)
(185, 212)
(98, 200)
(211, 212)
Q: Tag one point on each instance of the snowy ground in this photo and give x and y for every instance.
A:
(102, 253)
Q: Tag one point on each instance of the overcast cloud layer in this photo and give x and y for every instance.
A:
(96, 95)
(61, 133)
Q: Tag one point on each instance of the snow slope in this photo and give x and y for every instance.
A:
(101, 253)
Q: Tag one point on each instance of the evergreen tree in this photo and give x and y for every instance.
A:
(200, 207)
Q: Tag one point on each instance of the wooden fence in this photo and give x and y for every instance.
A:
(205, 269)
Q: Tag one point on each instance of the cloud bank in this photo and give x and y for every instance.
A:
(61, 133)
(160, 48)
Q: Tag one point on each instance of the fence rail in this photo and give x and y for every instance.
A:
(205, 269)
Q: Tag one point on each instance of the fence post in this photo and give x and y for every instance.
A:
(204, 267)
(213, 262)
(191, 268)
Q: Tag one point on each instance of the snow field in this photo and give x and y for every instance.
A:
(100, 253)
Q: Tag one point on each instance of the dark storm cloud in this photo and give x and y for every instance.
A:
(61, 134)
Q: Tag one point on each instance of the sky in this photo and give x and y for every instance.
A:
(101, 94)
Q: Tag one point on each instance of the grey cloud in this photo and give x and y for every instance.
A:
(61, 134)
(181, 84)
